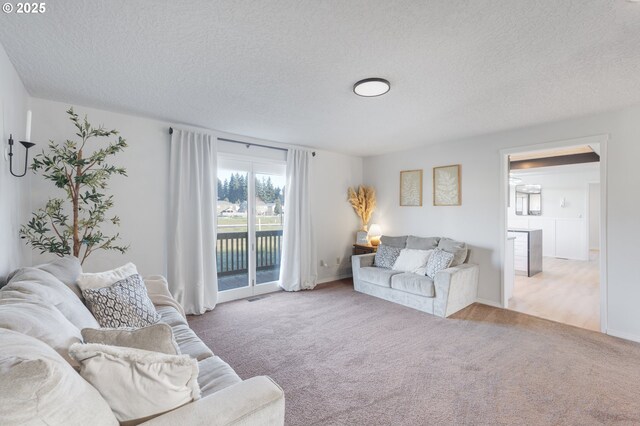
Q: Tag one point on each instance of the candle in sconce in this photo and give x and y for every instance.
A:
(28, 133)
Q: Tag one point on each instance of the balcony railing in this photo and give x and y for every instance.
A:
(232, 251)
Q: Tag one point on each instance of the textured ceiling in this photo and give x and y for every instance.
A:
(283, 70)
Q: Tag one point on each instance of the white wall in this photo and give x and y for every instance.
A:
(594, 216)
(334, 220)
(141, 198)
(477, 221)
(14, 192)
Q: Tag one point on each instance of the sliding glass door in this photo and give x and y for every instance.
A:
(250, 226)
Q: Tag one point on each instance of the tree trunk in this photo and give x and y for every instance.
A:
(76, 185)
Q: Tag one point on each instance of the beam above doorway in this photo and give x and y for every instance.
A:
(587, 157)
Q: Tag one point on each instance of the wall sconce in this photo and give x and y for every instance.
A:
(27, 144)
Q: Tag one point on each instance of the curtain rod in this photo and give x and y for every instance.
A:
(248, 144)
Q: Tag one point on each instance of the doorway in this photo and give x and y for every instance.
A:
(250, 222)
(554, 255)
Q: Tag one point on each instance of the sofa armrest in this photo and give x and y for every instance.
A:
(456, 288)
(158, 291)
(256, 401)
(362, 260)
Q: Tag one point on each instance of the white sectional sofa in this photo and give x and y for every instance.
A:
(39, 386)
(451, 290)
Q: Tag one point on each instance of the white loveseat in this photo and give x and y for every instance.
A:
(451, 290)
(38, 386)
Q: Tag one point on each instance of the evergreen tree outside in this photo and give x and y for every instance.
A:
(225, 190)
(235, 189)
(220, 190)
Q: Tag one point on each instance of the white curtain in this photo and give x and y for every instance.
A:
(298, 269)
(191, 254)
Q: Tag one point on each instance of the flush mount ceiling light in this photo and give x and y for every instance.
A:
(370, 87)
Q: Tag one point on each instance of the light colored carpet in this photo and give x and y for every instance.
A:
(345, 358)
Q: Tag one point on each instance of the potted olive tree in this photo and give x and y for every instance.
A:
(72, 225)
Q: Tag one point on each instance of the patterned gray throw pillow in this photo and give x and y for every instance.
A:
(438, 261)
(386, 256)
(122, 304)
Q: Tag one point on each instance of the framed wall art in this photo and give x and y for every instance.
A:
(411, 188)
(446, 186)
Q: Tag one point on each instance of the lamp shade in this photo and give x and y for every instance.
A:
(375, 230)
(374, 234)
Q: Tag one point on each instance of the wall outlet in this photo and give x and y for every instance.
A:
(323, 264)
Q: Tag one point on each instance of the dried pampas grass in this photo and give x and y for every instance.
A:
(363, 202)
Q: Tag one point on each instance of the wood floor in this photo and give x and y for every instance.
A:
(567, 291)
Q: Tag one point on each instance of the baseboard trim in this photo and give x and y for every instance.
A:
(623, 335)
(489, 302)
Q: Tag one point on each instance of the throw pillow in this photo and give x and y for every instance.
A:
(38, 387)
(386, 256)
(411, 260)
(438, 261)
(122, 304)
(138, 384)
(457, 248)
(106, 278)
(41, 321)
(156, 337)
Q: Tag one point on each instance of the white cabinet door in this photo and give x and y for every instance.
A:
(520, 251)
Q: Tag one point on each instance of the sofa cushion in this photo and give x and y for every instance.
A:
(156, 337)
(378, 276)
(32, 283)
(457, 248)
(189, 343)
(411, 260)
(386, 256)
(66, 269)
(215, 375)
(438, 261)
(38, 387)
(169, 315)
(414, 284)
(138, 384)
(122, 304)
(420, 243)
(41, 321)
(398, 242)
